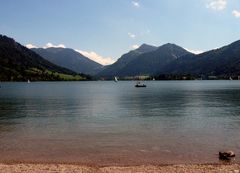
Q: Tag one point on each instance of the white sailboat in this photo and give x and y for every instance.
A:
(115, 79)
(28, 81)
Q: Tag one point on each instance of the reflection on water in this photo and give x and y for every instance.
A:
(109, 123)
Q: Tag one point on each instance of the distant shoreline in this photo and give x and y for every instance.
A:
(123, 80)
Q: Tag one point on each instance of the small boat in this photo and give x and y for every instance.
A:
(230, 78)
(28, 81)
(115, 79)
(139, 85)
(153, 78)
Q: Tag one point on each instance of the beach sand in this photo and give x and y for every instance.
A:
(68, 168)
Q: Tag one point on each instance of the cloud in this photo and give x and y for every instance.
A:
(48, 45)
(217, 4)
(97, 58)
(194, 51)
(131, 35)
(135, 4)
(30, 46)
(236, 13)
(135, 46)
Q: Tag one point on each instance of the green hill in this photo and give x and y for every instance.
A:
(18, 63)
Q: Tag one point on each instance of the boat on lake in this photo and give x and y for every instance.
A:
(115, 79)
(139, 85)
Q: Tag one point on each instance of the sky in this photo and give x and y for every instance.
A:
(103, 30)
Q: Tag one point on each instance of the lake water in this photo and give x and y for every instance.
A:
(116, 123)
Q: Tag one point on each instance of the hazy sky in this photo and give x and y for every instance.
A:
(105, 29)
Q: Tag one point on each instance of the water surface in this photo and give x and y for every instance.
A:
(116, 123)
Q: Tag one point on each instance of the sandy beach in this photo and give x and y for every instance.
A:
(68, 168)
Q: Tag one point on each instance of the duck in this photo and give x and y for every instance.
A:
(226, 155)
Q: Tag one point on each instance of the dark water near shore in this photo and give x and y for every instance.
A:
(116, 123)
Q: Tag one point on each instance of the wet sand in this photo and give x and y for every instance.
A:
(68, 168)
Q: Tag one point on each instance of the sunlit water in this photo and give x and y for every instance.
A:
(116, 123)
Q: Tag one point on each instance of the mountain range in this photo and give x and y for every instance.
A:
(171, 59)
(69, 59)
(224, 61)
(18, 63)
(116, 68)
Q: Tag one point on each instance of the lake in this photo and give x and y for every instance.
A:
(105, 123)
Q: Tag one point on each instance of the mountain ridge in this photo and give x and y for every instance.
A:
(18, 63)
(147, 63)
(112, 70)
(171, 59)
(219, 62)
(69, 58)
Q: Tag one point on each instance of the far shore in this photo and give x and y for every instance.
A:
(70, 168)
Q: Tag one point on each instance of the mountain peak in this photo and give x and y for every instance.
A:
(4, 39)
(145, 45)
(170, 45)
(146, 48)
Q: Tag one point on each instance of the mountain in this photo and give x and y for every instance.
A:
(113, 70)
(70, 59)
(224, 61)
(148, 62)
(171, 59)
(151, 62)
(18, 63)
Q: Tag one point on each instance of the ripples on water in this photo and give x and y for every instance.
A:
(109, 123)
